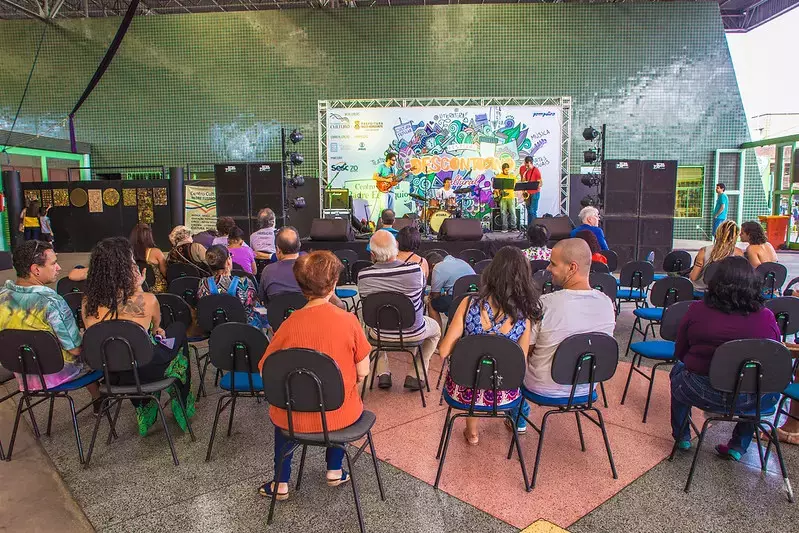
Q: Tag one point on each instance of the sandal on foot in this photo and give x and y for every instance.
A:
(471, 440)
(265, 490)
(345, 477)
(728, 453)
(787, 437)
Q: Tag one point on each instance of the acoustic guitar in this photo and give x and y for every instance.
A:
(386, 186)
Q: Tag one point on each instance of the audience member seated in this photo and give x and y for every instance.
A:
(113, 292)
(538, 236)
(408, 240)
(759, 250)
(576, 309)
(726, 237)
(389, 274)
(445, 272)
(220, 262)
(145, 251)
(593, 244)
(206, 238)
(386, 223)
(263, 240)
(732, 309)
(508, 304)
(242, 255)
(223, 227)
(279, 277)
(185, 250)
(29, 304)
(342, 339)
(589, 220)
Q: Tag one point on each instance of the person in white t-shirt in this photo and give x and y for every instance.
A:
(576, 309)
(445, 193)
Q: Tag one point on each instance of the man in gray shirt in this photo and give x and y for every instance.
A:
(392, 275)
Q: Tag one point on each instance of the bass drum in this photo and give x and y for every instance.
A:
(437, 219)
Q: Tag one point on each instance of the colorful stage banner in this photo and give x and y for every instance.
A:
(200, 208)
(468, 144)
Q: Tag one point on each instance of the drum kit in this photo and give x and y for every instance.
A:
(433, 213)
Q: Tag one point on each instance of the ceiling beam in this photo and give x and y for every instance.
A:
(25, 10)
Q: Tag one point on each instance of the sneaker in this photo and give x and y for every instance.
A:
(728, 453)
(521, 430)
(683, 444)
(384, 381)
(411, 383)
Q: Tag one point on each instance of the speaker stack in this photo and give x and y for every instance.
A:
(639, 201)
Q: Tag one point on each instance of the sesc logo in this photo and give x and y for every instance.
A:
(264, 168)
(659, 166)
(230, 168)
(622, 164)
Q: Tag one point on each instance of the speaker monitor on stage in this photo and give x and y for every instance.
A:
(559, 227)
(335, 230)
(461, 229)
(496, 218)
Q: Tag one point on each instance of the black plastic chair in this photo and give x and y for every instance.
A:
(489, 362)
(236, 349)
(472, 256)
(582, 359)
(634, 280)
(36, 354)
(452, 309)
(439, 251)
(613, 259)
(6, 376)
(186, 287)
(75, 302)
(749, 366)
(357, 266)
(307, 381)
(599, 267)
(244, 274)
(537, 265)
(481, 265)
(665, 292)
(147, 269)
(786, 311)
(348, 258)
(677, 262)
(392, 312)
(124, 346)
(66, 285)
(464, 284)
(658, 350)
(773, 276)
(543, 278)
(213, 310)
(183, 270)
(175, 309)
(282, 305)
(604, 283)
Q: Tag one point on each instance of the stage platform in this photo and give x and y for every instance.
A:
(490, 243)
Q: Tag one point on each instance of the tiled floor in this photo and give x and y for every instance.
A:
(131, 485)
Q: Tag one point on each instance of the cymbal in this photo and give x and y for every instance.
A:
(417, 197)
(463, 190)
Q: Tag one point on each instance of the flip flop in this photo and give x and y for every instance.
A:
(345, 477)
(471, 440)
(787, 437)
(265, 490)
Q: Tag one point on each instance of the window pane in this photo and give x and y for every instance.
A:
(690, 189)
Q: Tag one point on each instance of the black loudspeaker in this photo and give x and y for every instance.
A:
(302, 219)
(655, 234)
(496, 218)
(622, 187)
(400, 223)
(622, 236)
(15, 203)
(559, 227)
(578, 191)
(232, 199)
(461, 229)
(336, 230)
(244, 189)
(658, 188)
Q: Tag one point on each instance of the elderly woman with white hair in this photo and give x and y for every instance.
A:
(184, 250)
(589, 220)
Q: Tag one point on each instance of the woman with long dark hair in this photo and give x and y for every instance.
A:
(29, 221)
(113, 291)
(593, 245)
(508, 305)
(732, 309)
(408, 241)
(759, 250)
(147, 254)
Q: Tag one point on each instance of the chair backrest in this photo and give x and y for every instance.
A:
(456, 302)
(282, 305)
(597, 266)
(472, 256)
(773, 276)
(481, 265)
(216, 309)
(637, 274)
(536, 265)
(117, 346)
(671, 290)
(174, 309)
(75, 302)
(35, 353)
(464, 284)
(613, 259)
(676, 261)
(751, 366)
(244, 274)
(710, 271)
(304, 381)
(604, 283)
(585, 358)
(544, 280)
(439, 251)
(390, 311)
(186, 287)
(477, 360)
(149, 275)
(237, 347)
(66, 285)
(182, 270)
(357, 266)
(348, 258)
(672, 316)
(786, 311)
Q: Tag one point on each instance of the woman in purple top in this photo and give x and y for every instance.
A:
(732, 309)
(243, 256)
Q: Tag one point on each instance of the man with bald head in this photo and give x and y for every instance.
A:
(576, 309)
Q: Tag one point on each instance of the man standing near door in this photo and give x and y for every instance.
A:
(720, 210)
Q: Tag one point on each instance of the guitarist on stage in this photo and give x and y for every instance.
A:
(386, 178)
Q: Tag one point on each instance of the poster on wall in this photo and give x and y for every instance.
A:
(200, 208)
(467, 144)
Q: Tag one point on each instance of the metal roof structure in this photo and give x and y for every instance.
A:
(738, 15)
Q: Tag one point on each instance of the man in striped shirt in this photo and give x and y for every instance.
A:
(392, 275)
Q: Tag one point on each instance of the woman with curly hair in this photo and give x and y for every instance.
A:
(146, 253)
(732, 309)
(760, 250)
(508, 305)
(723, 247)
(114, 292)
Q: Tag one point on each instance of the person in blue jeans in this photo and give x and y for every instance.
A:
(720, 210)
(732, 309)
(531, 174)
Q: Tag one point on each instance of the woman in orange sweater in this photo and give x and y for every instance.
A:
(324, 327)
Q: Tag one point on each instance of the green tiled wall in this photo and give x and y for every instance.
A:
(216, 87)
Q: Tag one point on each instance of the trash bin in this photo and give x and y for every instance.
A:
(776, 229)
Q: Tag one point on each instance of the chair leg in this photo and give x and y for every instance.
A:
(33, 418)
(354, 492)
(50, 415)
(424, 370)
(185, 414)
(604, 395)
(527, 487)
(443, 433)
(217, 377)
(166, 430)
(213, 428)
(682, 429)
(302, 466)
(377, 468)
(629, 377)
(607, 442)
(696, 454)
(201, 388)
(275, 483)
(419, 378)
(649, 391)
(441, 375)
(14, 431)
(104, 406)
(444, 452)
(636, 326)
(580, 430)
(540, 447)
(230, 419)
(760, 449)
(113, 422)
(74, 425)
(786, 480)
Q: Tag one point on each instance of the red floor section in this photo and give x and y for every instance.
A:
(570, 482)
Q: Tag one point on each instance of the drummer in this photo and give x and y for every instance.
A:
(445, 195)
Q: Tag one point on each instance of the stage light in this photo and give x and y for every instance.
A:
(297, 181)
(589, 133)
(590, 180)
(295, 136)
(298, 203)
(296, 158)
(589, 200)
(589, 156)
